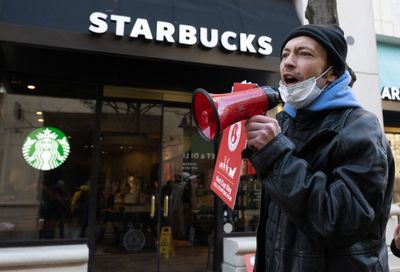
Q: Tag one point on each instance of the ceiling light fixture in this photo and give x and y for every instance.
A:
(31, 87)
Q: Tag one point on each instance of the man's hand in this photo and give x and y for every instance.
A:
(260, 130)
(396, 236)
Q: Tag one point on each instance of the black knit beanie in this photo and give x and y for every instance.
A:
(331, 37)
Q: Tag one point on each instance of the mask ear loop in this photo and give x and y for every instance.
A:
(326, 71)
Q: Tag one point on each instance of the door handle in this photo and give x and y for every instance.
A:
(166, 206)
(152, 206)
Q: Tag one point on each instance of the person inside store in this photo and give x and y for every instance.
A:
(395, 244)
(80, 208)
(325, 165)
(54, 210)
(62, 203)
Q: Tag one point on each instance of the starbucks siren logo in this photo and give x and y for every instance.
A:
(45, 148)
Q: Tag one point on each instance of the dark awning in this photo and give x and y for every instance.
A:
(64, 25)
(51, 38)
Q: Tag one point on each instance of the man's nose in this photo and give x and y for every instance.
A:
(289, 60)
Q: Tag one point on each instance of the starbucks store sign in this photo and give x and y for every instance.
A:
(46, 148)
(390, 93)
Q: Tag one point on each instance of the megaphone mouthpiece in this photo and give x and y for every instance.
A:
(273, 97)
(214, 112)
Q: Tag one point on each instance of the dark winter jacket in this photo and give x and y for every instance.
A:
(327, 188)
(394, 249)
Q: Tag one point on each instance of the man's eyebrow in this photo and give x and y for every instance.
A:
(300, 47)
(305, 47)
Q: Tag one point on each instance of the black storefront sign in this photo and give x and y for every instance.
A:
(181, 34)
(248, 30)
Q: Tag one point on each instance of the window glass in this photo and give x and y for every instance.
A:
(394, 140)
(244, 216)
(128, 178)
(188, 162)
(45, 155)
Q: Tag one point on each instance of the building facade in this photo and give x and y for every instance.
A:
(101, 166)
(387, 27)
(98, 147)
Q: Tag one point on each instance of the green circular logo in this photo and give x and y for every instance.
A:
(45, 148)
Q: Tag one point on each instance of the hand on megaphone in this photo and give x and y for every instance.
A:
(214, 112)
(260, 130)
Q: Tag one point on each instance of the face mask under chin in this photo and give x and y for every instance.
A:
(301, 94)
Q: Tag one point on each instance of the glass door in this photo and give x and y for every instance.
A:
(128, 186)
(154, 206)
(187, 217)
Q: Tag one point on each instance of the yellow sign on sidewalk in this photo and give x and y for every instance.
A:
(166, 242)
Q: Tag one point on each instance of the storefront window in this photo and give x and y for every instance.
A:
(45, 155)
(128, 177)
(244, 217)
(394, 140)
(188, 162)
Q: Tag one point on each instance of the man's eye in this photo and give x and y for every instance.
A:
(304, 53)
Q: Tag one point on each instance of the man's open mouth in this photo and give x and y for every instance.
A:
(289, 79)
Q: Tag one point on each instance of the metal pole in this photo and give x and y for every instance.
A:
(158, 194)
(218, 225)
(93, 179)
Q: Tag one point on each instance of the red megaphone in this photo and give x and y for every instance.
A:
(214, 112)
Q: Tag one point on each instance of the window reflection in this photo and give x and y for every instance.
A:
(42, 204)
(394, 140)
(187, 171)
(128, 176)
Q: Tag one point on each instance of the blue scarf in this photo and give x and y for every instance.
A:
(336, 95)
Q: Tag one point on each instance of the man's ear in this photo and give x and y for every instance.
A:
(331, 76)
